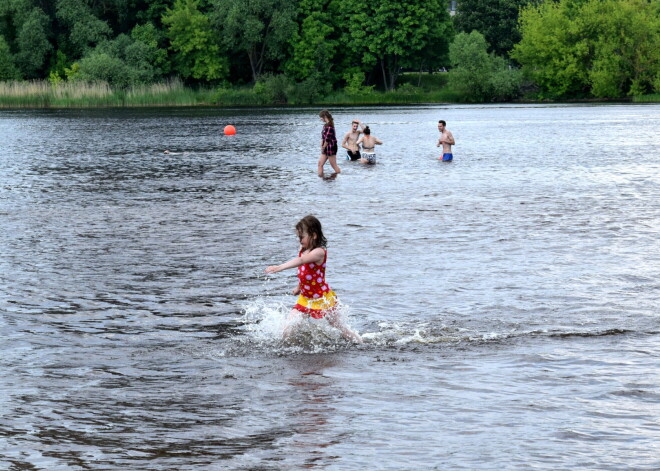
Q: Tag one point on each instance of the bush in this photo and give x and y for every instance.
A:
(355, 83)
(408, 89)
(122, 62)
(505, 82)
(281, 89)
(480, 76)
(309, 91)
(426, 81)
(237, 97)
(273, 88)
(101, 67)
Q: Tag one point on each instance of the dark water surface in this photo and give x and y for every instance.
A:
(508, 300)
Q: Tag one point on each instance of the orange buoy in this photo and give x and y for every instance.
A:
(230, 130)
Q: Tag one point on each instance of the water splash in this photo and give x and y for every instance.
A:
(402, 333)
(265, 319)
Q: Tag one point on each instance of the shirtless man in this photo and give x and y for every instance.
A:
(350, 140)
(447, 140)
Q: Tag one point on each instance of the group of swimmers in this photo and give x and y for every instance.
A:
(360, 135)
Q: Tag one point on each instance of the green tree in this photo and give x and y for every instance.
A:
(197, 49)
(261, 29)
(152, 38)
(25, 28)
(8, 69)
(32, 42)
(497, 20)
(552, 51)
(153, 12)
(391, 32)
(102, 67)
(477, 75)
(58, 67)
(82, 29)
(435, 54)
(315, 44)
(124, 61)
(122, 15)
(626, 50)
(604, 48)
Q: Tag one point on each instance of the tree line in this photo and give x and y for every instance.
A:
(493, 49)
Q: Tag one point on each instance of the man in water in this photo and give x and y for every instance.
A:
(350, 140)
(447, 140)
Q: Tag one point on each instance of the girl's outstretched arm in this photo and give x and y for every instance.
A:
(313, 256)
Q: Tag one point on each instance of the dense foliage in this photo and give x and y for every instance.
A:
(479, 75)
(302, 51)
(496, 20)
(602, 48)
(129, 42)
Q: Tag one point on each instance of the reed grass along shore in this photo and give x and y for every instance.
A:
(43, 94)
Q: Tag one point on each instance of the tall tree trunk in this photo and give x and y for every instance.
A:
(258, 54)
(394, 71)
(253, 66)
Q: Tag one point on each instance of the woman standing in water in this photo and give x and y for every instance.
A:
(328, 143)
(369, 143)
(315, 299)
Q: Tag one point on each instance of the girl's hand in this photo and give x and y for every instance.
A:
(272, 269)
(295, 291)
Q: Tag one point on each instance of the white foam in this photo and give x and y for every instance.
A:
(392, 333)
(266, 318)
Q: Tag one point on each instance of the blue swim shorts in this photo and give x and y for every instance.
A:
(447, 157)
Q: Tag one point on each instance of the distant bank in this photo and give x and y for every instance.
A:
(42, 94)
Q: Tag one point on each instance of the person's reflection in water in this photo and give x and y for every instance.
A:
(313, 393)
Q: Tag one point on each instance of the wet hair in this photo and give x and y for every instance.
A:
(443, 122)
(312, 227)
(366, 130)
(326, 114)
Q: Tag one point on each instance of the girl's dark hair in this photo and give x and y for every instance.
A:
(366, 130)
(312, 226)
(326, 114)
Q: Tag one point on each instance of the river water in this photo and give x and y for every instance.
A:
(508, 299)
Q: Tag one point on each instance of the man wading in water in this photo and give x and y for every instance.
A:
(350, 140)
(446, 141)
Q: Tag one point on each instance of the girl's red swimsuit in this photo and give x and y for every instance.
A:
(316, 298)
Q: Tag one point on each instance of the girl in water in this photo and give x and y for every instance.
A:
(315, 298)
(368, 146)
(328, 143)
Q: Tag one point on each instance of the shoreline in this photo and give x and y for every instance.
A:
(43, 95)
(631, 101)
(35, 106)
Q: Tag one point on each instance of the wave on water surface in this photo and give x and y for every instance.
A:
(264, 320)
